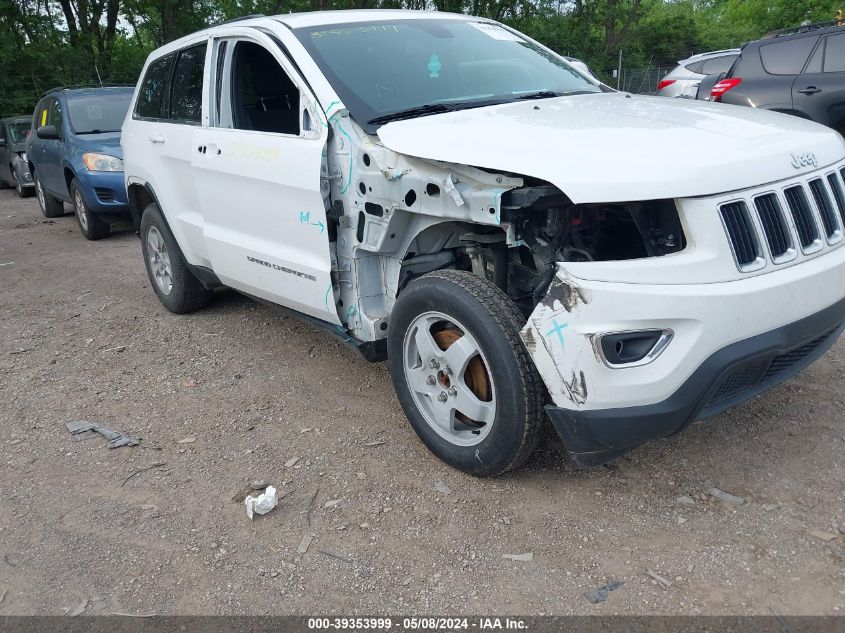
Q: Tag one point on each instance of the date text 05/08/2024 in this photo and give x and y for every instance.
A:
(416, 624)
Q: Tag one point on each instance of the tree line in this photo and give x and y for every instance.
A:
(48, 43)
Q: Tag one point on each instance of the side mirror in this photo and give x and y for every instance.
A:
(48, 132)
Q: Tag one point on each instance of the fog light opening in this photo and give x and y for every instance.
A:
(629, 349)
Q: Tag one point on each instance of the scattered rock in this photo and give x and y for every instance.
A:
(304, 544)
(376, 443)
(81, 608)
(332, 503)
(727, 497)
(663, 582)
(681, 520)
(361, 475)
(524, 558)
(685, 500)
(187, 440)
(441, 486)
(768, 507)
(258, 484)
(822, 536)
(600, 595)
(292, 462)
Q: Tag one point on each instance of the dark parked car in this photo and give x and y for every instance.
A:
(14, 170)
(75, 156)
(798, 71)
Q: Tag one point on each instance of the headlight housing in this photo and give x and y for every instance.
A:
(102, 162)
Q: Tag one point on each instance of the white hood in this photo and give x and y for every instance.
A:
(613, 148)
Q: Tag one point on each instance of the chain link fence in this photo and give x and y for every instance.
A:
(643, 80)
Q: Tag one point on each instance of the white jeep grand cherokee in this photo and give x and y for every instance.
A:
(442, 191)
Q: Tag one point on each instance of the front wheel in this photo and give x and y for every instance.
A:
(173, 282)
(462, 373)
(91, 227)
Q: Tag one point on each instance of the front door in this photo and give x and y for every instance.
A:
(257, 167)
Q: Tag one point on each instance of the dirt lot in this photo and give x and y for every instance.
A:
(235, 392)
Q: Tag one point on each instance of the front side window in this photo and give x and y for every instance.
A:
(787, 58)
(263, 97)
(186, 92)
(152, 94)
(54, 115)
(834, 54)
(99, 113)
(385, 68)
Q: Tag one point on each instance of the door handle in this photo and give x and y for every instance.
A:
(157, 138)
(810, 90)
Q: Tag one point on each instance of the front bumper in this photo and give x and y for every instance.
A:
(22, 174)
(104, 191)
(732, 340)
(732, 375)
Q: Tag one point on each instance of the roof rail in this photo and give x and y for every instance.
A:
(243, 17)
(83, 86)
(804, 28)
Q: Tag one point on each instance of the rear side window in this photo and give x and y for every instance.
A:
(787, 58)
(834, 54)
(186, 92)
(718, 65)
(695, 67)
(151, 97)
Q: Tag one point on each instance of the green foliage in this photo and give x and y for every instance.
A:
(108, 40)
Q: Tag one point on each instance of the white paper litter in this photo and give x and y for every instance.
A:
(262, 504)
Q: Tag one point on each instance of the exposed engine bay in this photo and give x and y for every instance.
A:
(542, 227)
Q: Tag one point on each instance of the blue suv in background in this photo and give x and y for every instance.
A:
(75, 156)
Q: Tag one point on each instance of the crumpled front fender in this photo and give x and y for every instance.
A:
(562, 354)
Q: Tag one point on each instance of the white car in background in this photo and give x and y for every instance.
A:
(682, 81)
(519, 241)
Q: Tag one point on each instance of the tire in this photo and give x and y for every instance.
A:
(50, 206)
(456, 306)
(91, 226)
(174, 284)
(23, 192)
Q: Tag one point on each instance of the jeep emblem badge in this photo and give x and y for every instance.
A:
(804, 160)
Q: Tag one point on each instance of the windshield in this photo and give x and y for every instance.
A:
(104, 112)
(19, 131)
(380, 69)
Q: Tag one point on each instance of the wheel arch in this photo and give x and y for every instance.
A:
(140, 196)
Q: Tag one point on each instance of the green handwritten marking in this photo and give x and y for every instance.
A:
(328, 292)
(558, 329)
(349, 138)
(320, 224)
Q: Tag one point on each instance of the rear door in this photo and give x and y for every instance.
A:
(819, 92)
(257, 167)
(5, 154)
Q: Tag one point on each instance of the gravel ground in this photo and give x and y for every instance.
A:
(237, 393)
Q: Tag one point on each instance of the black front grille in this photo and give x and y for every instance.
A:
(799, 207)
(774, 225)
(838, 194)
(825, 205)
(740, 232)
(785, 361)
(736, 382)
(104, 195)
(770, 369)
